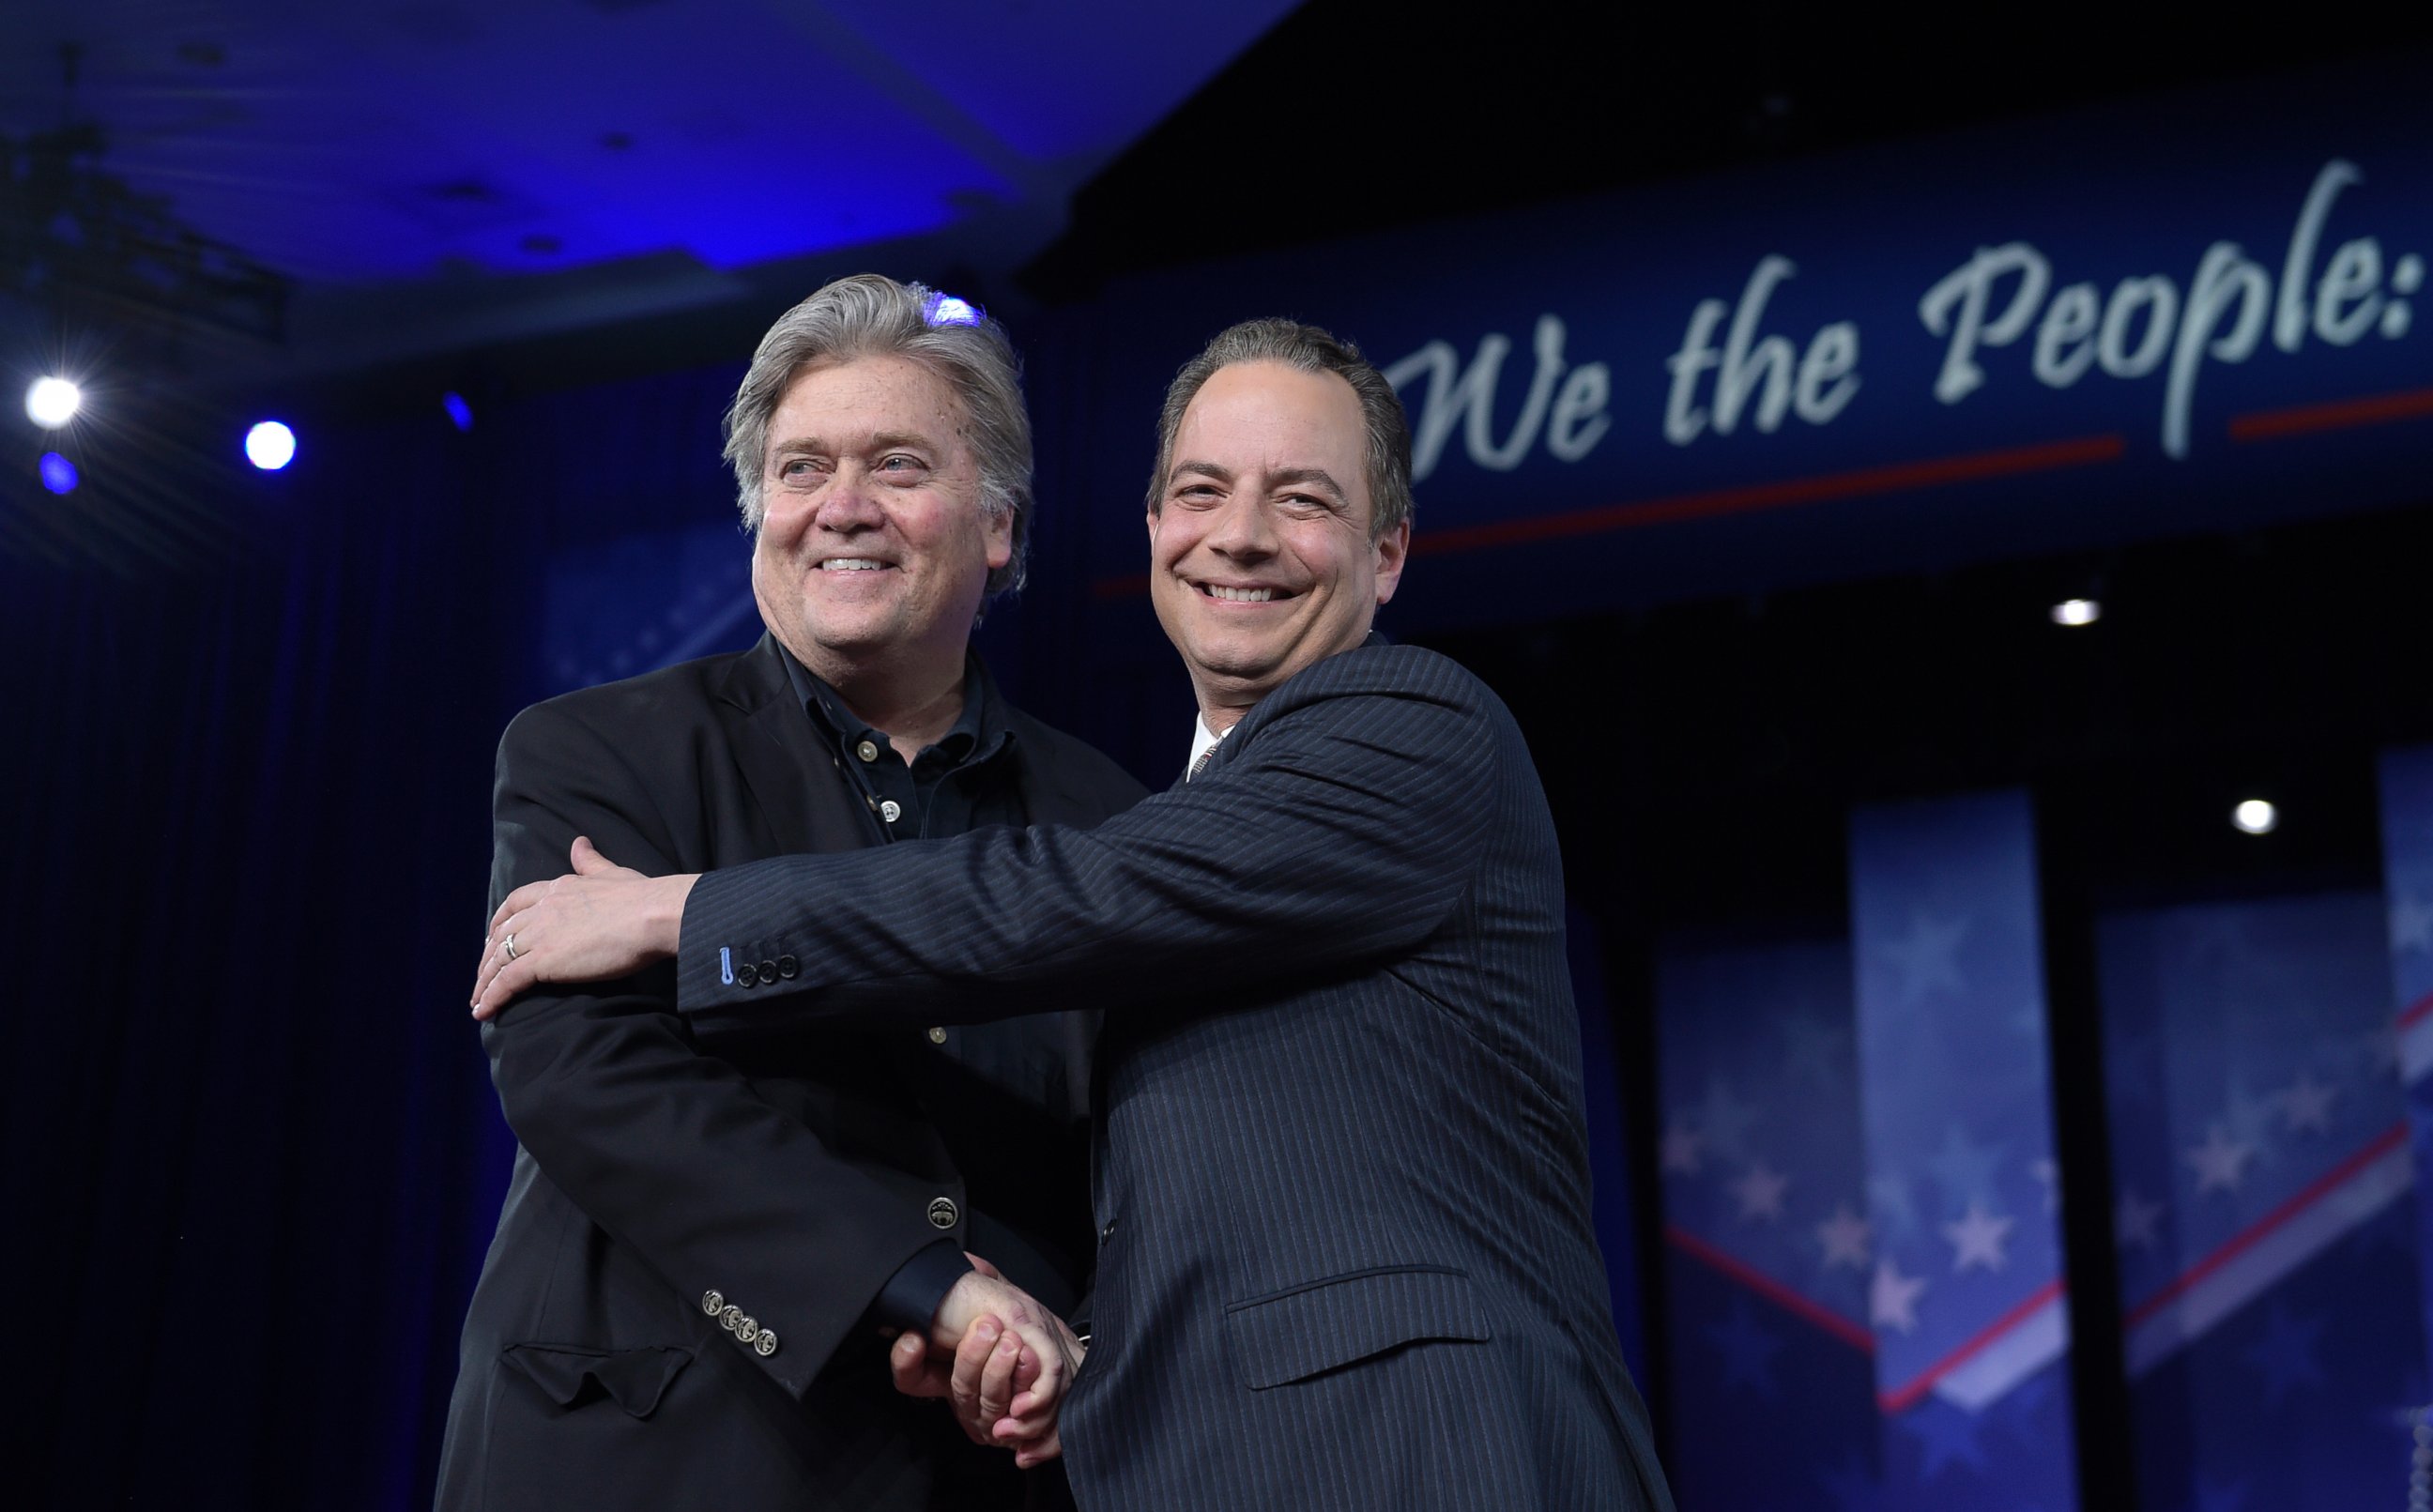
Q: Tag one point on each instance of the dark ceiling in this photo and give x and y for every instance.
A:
(1357, 115)
(573, 187)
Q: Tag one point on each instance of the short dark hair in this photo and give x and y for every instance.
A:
(1311, 351)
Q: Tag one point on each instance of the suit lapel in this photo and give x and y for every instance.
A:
(804, 805)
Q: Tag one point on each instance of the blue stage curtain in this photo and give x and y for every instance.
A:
(253, 1156)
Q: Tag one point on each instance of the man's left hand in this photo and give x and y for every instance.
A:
(600, 922)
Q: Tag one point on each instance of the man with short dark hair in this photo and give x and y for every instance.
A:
(709, 1234)
(1346, 1258)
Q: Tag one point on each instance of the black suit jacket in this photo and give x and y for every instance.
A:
(790, 1173)
(1346, 1257)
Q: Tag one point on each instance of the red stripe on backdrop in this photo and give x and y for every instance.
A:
(2338, 414)
(2416, 1011)
(1771, 1289)
(1899, 477)
(1896, 476)
(1908, 1396)
(2253, 1233)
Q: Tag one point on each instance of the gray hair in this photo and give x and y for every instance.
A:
(1311, 351)
(871, 316)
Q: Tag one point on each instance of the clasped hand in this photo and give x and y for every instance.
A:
(601, 922)
(1002, 1361)
(999, 1359)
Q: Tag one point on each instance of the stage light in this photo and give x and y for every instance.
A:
(2256, 817)
(2077, 612)
(945, 310)
(58, 474)
(458, 411)
(270, 446)
(52, 403)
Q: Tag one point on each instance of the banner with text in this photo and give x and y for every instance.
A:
(2176, 315)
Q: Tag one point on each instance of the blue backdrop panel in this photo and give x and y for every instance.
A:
(1965, 1295)
(2407, 884)
(1772, 1389)
(2267, 1259)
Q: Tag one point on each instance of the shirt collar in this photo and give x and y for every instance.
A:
(977, 731)
(1203, 740)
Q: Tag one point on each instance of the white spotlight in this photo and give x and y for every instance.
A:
(2256, 817)
(270, 446)
(2077, 612)
(52, 403)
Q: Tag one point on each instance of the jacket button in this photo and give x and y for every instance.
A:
(1108, 1232)
(867, 750)
(768, 971)
(789, 967)
(938, 1034)
(729, 1316)
(890, 810)
(942, 1213)
(766, 1345)
(746, 976)
(748, 1328)
(711, 1302)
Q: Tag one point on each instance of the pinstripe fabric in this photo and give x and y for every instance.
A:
(1346, 1257)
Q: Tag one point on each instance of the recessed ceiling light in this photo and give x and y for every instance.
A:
(2255, 817)
(2077, 612)
(270, 446)
(51, 403)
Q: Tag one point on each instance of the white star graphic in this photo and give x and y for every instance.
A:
(2412, 925)
(2308, 1105)
(2137, 1221)
(1684, 1150)
(1928, 958)
(1977, 1240)
(1761, 1192)
(2220, 1161)
(1846, 1238)
(1892, 1300)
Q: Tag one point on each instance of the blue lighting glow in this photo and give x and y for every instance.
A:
(457, 410)
(945, 310)
(58, 474)
(270, 446)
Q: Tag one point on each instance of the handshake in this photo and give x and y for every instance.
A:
(999, 1359)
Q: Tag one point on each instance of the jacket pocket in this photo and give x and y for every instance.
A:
(1294, 1334)
(570, 1374)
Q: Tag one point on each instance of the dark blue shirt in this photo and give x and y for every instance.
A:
(958, 784)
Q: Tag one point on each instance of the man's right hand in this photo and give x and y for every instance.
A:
(1001, 1360)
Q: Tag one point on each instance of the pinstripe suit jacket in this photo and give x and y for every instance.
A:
(1346, 1257)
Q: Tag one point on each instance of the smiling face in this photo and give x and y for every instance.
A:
(874, 550)
(1260, 556)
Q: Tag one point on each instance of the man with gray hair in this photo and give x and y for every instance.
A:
(708, 1238)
